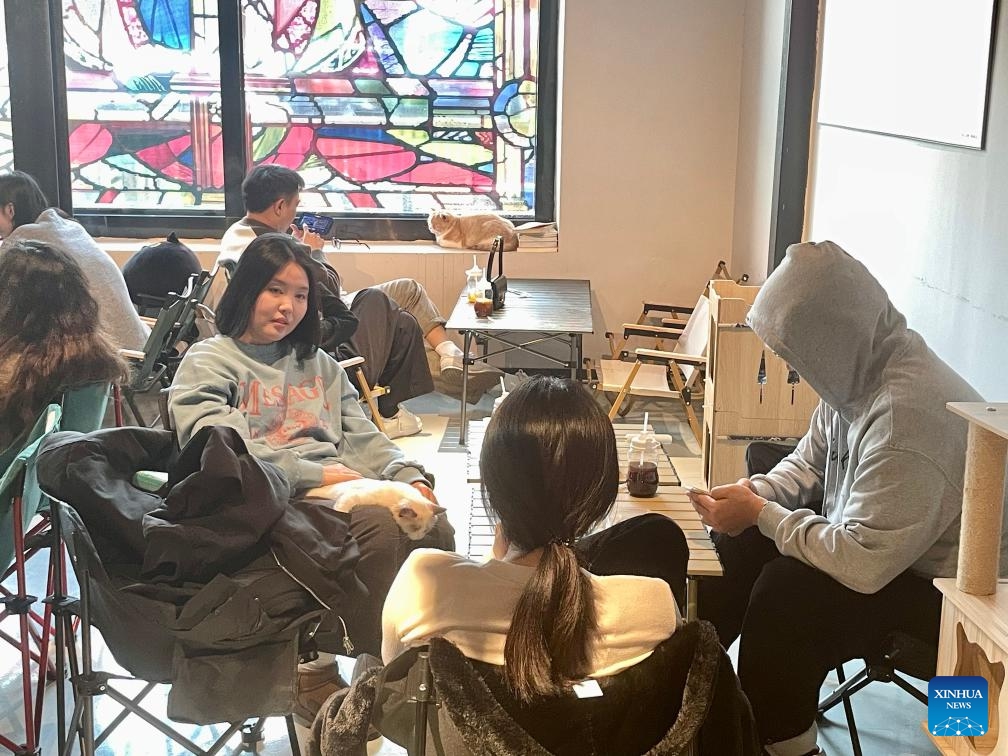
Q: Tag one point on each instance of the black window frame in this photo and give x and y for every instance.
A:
(40, 131)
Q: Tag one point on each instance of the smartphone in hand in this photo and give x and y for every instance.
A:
(320, 224)
(698, 490)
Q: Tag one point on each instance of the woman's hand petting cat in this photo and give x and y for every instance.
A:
(426, 491)
(338, 473)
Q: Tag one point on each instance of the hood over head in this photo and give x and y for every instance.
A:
(831, 320)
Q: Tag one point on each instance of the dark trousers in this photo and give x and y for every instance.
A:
(795, 624)
(649, 546)
(383, 548)
(392, 345)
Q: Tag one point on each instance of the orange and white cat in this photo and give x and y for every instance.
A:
(471, 231)
(413, 513)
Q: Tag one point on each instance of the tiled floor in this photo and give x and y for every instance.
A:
(888, 719)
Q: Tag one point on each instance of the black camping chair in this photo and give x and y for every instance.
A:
(228, 647)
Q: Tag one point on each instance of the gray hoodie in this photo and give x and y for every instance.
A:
(882, 450)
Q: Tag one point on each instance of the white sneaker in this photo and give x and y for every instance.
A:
(402, 423)
(454, 363)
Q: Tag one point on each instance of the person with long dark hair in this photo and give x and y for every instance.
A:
(553, 604)
(50, 339)
(25, 214)
(265, 376)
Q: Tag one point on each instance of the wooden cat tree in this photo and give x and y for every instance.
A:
(976, 600)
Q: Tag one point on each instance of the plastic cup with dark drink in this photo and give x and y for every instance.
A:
(483, 307)
(642, 463)
(642, 478)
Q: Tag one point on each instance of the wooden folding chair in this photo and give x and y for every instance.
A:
(672, 367)
(661, 373)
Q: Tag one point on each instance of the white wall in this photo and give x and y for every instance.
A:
(763, 44)
(931, 222)
(650, 103)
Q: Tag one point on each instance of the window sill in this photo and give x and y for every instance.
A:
(123, 248)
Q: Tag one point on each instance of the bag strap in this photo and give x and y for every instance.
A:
(496, 249)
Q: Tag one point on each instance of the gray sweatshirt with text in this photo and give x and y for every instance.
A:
(298, 418)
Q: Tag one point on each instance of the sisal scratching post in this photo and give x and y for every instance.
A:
(983, 500)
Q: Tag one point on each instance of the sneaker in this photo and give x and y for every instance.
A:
(514, 380)
(455, 363)
(403, 423)
(314, 686)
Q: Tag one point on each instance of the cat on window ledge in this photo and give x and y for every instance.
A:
(413, 513)
(471, 231)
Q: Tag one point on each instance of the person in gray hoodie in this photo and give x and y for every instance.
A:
(294, 406)
(805, 590)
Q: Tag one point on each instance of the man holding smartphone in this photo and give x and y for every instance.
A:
(835, 547)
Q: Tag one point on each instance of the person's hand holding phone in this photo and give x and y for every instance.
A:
(305, 235)
(727, 509)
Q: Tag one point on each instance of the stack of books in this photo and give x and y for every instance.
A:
(537, 236)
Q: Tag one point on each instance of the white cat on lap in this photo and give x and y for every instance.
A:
(414, 514)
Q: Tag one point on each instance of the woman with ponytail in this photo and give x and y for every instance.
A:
(552, 604)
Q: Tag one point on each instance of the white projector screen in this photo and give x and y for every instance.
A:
(913, 68)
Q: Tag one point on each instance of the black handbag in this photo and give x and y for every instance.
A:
(498, 285)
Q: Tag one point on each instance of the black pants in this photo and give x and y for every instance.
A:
(392, 345)
(383, 548)
(648, 546)
(795, 624)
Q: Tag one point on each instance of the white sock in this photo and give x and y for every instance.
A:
(324, 662)
(448, 348)
(799, 745)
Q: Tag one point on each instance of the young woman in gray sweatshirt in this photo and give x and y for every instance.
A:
(295, 407)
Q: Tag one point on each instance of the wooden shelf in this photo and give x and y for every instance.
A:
(737, 409)
(992, 416)
(988, 612)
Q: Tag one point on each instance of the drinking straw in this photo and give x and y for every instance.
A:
(642, 445)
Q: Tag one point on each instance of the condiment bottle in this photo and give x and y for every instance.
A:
(642, 464)
(474, 282)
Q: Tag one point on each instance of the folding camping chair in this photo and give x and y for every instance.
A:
(661, 371)
(148, 632)
(82, 409)
(151, 366)
(20, 539)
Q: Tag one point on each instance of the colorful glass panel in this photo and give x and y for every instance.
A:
(143, 98)
(397, 106)
(6, 142)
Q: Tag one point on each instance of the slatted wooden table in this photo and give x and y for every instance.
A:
(667, 476)
(537, 310)
(671, 501)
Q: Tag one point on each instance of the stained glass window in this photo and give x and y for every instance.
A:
(397, 106)
(143, 98)
(383, 106)
(6, 144)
